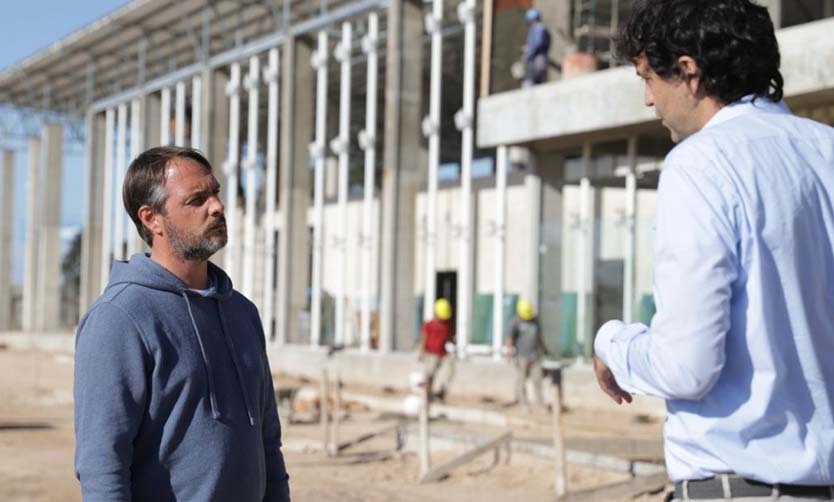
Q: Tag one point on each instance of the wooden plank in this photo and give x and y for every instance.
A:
(368, 436)
(440, 471)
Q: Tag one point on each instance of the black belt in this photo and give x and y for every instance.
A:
(713, 488)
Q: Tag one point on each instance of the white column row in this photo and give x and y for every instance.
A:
(431, 129)
(341, 147)
(317, 151)
(367, 140)
(464, 122)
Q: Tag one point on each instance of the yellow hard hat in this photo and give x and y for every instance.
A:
(524, 309)
(443, 309)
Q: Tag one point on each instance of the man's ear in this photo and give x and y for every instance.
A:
(690, 73)
(151, 219)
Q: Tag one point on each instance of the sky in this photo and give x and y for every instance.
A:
(27, 30)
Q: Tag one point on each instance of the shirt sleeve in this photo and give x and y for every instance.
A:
(682, 354)
(535, 39)
(110, 391)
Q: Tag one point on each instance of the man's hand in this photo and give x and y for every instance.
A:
(608, 384)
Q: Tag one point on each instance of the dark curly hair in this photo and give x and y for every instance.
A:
(731, 40)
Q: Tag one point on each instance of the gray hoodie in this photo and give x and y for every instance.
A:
(173, 393)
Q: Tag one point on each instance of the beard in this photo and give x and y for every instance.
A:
(197, 247)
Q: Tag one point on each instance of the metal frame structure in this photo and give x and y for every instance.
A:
(317, 151)
(252, 82)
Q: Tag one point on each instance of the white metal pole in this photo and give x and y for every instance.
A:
(583, 251)
(318, 152)
(136, 147)
(431, 128)
(500, 250)
(231, 167)
(630, 232)
(271, 78)
(121, 154)
(165, 117)
(196, 112)
(463, 120)
(367, 139)
(179, 122)
(252, 82)
(107, 220)
(340, 146)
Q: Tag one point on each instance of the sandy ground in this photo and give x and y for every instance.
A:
(36, 450)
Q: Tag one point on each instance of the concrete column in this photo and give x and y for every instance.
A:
(30, 264)
(402, 174)
(93, 210)
(629, 261)
(7, 219)
(297, 113)
(549, 249)
(48, 302)
(153, 120)
(215, 128)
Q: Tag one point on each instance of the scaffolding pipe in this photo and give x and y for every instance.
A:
(253, 80)
(134, 240)
(630, 236)
(107, 220)
(121, 154)
(431, 129)
(165, 117)
(463, 121)
(179, 121)
(196, 113)
(500, 251)
(319, 62)
(340, 146)
(271, 78)
(230, 169)
(584, 256)
(367, 140)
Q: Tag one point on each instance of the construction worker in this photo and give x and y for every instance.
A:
(526, 346)
(535, 51)
(434, 336)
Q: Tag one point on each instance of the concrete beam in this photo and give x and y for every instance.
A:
(612, 100)
(297, 113)
(30, 259)
(403, 173)
(48, 303)
(93, 211)
(6, 226)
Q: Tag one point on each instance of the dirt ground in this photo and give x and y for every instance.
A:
(36, 451)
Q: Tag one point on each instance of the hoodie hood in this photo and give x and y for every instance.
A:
(143, 271)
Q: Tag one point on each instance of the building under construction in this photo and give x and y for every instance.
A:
(374, 155)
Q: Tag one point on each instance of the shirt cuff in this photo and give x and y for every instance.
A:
(605, 336)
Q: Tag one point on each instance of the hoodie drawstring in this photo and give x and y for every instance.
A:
(231, 345)
(215, 410)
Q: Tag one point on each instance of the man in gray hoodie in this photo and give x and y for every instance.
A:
(173, 392)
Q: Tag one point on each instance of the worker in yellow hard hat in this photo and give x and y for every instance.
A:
(434, 336)
(526, 346)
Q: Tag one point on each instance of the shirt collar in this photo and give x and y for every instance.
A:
(747, 105)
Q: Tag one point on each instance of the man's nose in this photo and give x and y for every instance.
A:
(648, 97)
(217, 207)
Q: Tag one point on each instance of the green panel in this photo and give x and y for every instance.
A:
(569, 346)
(328, 319)
(646, 309)
(481, 319)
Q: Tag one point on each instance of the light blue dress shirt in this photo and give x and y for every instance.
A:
(742, 345)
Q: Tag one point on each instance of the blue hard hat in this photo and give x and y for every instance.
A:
(533, 15)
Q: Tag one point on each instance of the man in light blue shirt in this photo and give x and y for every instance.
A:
(742, 345)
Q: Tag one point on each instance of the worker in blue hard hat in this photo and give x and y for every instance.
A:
(435, 335)
(536, 50)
